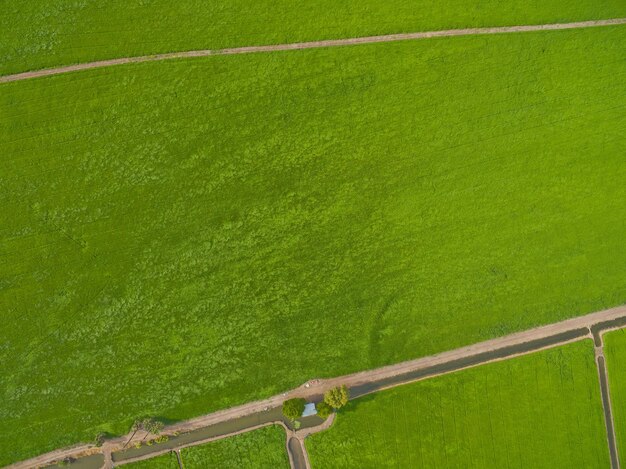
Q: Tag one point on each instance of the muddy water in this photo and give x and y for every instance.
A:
(275, 414)
(477, 359)
(608, 419)
(272, 415)
(296, 453)
(612, 324)
(95, 461)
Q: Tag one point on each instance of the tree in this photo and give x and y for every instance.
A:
(156, 427)
(337, 397)
(148, 424)
(323, 409)
(135, 427)
(293, 408)
(151, 425)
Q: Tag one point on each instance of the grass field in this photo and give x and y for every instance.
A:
(615, 355)
(167, 461)
(259, 449)
(168, 229)
(45, 33)
(540, 410)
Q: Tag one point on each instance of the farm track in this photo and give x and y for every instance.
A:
(366, 382)
(309, 45)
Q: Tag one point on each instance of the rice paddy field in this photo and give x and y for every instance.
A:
(615, 355)
(46, 33)
(183, 236)
(258, 449)
(541, 410)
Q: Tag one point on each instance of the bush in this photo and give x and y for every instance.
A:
(65, 462)
(323, 409)
(337, 397)
(293, 408)
(99, 439)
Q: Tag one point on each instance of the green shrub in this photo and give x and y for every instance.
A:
(323, 409)
(99, 439)
(337, 397)
(293, 408)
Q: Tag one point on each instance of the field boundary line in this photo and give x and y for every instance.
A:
(310, 45)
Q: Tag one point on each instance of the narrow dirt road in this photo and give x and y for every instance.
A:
(365, 382)
(310, 45)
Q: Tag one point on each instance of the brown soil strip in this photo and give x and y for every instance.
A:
(364, 382)
(310, 45)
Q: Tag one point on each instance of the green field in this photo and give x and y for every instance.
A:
(259, 449)
(46, 33)
(615, 355)
(169, 228)
(167, 461)
(541, 410)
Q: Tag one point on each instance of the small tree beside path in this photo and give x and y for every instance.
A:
(337, 397)
(293, 408)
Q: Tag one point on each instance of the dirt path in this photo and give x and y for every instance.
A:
(606, 399)
(309, 45)
(365, 382)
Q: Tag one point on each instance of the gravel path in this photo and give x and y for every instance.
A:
(309, 45)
